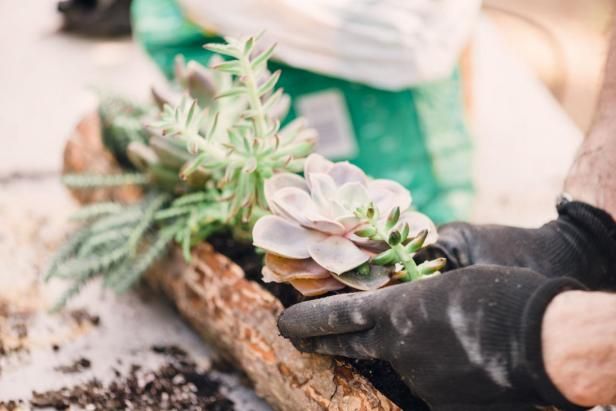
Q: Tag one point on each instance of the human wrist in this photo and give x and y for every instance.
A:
(588, 190)
(591, 178)
(577, 345)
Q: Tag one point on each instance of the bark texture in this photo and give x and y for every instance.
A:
(235, 315)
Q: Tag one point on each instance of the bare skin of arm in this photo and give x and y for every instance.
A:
(592, 177)
(579, 328)
(579, 346)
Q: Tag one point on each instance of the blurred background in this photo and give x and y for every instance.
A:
(531, 73)
(527, 77)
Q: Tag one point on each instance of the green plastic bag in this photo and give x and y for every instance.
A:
(417, 136)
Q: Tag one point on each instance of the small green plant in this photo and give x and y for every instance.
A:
(395, 232)
(253, 148)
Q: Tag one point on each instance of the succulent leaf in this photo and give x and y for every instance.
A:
(286, 269)
(314, 288)
(337, 254)
(284, 238)
(374, 277)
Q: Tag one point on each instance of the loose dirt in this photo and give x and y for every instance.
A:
(180, 384)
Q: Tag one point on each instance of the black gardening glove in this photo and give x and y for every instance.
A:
(466, 340)
(580, 243)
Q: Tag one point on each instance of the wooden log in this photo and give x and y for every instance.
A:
(235, 315)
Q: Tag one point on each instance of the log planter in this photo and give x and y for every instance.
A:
(236, 315)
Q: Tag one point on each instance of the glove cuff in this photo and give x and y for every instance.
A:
(532, 322)
(593, 219)
(600, 230)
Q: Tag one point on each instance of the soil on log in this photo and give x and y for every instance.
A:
(236, 315)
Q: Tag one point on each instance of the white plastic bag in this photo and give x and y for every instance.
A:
(389, 44)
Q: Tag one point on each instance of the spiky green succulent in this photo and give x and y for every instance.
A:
(253, 147)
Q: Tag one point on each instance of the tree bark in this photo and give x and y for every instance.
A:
(235, 315)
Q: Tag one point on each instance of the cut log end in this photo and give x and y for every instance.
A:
(85, 153)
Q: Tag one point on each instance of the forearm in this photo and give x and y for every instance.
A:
(579, 346)
(592, 177)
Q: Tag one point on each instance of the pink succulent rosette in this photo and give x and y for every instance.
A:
(310, 239)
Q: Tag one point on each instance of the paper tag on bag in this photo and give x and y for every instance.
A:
(327, 113)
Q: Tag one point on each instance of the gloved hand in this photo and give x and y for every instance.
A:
(466, 340)
(580, 243)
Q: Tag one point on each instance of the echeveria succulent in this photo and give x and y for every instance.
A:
(336, 227)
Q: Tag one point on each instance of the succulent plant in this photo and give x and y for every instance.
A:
(248, 148)
(336, 227)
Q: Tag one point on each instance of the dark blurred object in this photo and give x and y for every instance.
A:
(104, 18)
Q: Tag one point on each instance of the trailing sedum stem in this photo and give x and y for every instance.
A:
(401, 247)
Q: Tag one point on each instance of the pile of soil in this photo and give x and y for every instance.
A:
(179, 384)
(379, 373)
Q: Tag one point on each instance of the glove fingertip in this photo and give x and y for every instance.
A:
(284, 323)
